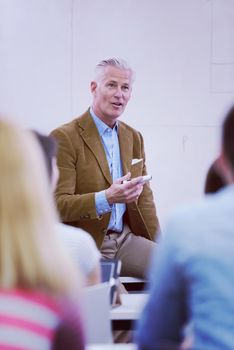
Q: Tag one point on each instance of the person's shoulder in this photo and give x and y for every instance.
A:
(193, 219)
(71, 231)
(75, 234)
(127, 127)
(81, 245)
(190, 231)
(131, 132)
(71, 127)
(188, 212)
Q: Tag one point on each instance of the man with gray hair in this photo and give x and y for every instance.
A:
(102, 164)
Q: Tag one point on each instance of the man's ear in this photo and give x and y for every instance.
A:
(93, 86)
(224, 168)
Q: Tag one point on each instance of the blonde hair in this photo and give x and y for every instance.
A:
(31, 256)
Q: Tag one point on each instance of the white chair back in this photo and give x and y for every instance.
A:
(96, 310)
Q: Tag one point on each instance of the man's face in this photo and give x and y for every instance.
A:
(111, 94)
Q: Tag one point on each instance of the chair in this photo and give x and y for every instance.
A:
(133, 284)
(110, 270)
(96, 312)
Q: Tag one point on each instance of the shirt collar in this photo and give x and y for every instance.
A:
(101, 126)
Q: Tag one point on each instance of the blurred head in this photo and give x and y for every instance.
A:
(30, 253)
(111, 89)
(226, 159)
(214, 180)
(49, 148)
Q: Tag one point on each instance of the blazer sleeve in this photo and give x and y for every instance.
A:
(71, 206)
(146, 202)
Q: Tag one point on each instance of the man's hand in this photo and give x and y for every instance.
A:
(126, 192)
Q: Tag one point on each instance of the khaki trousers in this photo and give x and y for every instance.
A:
(134, 251)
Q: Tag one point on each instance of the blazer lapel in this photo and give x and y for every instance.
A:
(126, 145)
(91, 137)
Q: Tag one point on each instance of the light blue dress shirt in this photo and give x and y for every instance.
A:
(110, 143)
(192, 278)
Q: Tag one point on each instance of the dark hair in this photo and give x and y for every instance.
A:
(228, 137)
(49, 148)
(214, 181)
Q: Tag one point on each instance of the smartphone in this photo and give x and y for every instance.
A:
(146, 178)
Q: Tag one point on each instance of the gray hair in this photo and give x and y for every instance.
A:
(114, 62)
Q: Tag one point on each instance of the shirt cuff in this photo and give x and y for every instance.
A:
(102, 205)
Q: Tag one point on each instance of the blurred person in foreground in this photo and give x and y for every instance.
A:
(79, 243)
(39, 287)
(192, 277)
(97, 155)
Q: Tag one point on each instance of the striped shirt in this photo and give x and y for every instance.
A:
(31, 320)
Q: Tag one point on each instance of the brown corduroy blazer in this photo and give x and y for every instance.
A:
(84, 170)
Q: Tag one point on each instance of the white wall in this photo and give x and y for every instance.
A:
(181, 50)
